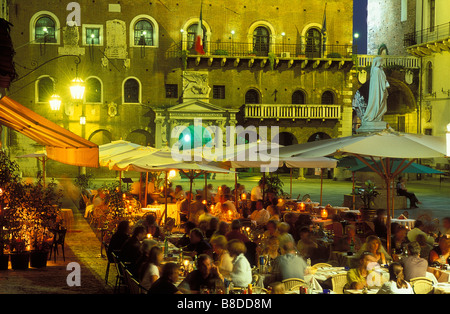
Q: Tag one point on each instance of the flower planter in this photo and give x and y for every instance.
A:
(20, 261)
(38, 259)
(4, 260)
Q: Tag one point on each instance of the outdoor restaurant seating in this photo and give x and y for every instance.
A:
(59, 237)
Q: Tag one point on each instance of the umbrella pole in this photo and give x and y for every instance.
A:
(44, 160)
(120, 180)
(146, 183)
(165, 195)
(290, 173)
(191, 178)
(353, 191)
(387, 179)
(235, 191)
(321, 185)
(206, 187)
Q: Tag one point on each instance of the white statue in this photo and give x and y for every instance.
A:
(378, 93)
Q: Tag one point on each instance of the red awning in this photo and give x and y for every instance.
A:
(61, 144)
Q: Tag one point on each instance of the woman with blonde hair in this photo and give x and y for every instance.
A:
(241, 275)
(222, 258)
(397, 283)
(373, 245)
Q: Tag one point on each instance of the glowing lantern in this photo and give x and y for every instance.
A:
(324, 213)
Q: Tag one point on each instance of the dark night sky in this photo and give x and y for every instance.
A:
(360, 24)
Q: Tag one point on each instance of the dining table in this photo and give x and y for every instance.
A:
(442, 288)
(408, 223)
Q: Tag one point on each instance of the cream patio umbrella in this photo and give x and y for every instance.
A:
(385, 145)
(191, 169)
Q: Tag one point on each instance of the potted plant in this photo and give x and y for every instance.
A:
(11, 195)
(367, 195)
(83, 182)
(44, 207)
(157, 179)
(220, 52)
(251, 53)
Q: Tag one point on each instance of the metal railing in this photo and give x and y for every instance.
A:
(290, 111)
(431, 34)
(403, 61)
(280, 50)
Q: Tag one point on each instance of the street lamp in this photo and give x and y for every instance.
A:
(77, 88)
(448, 140)
(55, 102)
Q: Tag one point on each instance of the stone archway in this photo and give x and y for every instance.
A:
(100, 137)
(140, 137)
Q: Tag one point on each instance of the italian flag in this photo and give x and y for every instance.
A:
(199, 35)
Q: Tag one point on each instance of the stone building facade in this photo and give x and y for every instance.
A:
(266, 64)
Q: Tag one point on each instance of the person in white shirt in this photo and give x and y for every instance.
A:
(260, 215)
(241, 275)
(396, 284)
(256, 193)
(419, 227)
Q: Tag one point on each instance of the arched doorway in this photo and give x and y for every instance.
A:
(140, 137)
(318, 137)
(100, 137)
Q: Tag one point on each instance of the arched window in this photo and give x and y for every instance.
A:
(93, 90)
(143, 33)
(429, 78)
(45, 89)
(252, 97)
(298, 98)
(131, 91)
(261, 41)
(328, 98)
(45, 30)
(192, 34)
(313, 43)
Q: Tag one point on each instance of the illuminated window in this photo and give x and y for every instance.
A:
(313, 43)
(143, 33)
(261, 41)
(192, 35)
(45, 30)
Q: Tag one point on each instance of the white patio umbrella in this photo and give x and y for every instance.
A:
(386, 144)
(191, 169)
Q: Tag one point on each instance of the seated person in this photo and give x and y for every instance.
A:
(413, 265)
(425, 247)
(306, 245)
(373, 245)
(343, 244)
(131, 249)
(236, 233)
(419, 228)
(357, 277)
(271, 231)
(206, 275)
(271, 249)
(222, 258)
(399, 240)
(197, 209)
(178, 194)
(396, 284)
(198, 244)
(118, 239)
(402, 190)
(184, 240)
(166, 283)
(241, 274)
(184, 207)
(441, 254)
(283, 233)
(288, 265)
(260, 215)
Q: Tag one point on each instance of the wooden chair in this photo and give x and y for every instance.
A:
(305, 197)
(422, 285)
(134, 287)
(338, 283)
(292, 283)
(319, 265)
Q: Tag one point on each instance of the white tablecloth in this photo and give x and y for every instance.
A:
(409, 223)
(172, 211)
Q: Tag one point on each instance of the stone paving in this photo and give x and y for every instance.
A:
(83, 245)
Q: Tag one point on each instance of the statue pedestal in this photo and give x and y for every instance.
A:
(376, 126)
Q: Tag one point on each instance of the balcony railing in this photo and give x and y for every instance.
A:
(289, 111)
(431, 34)
(406, 62)
(280, 50)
